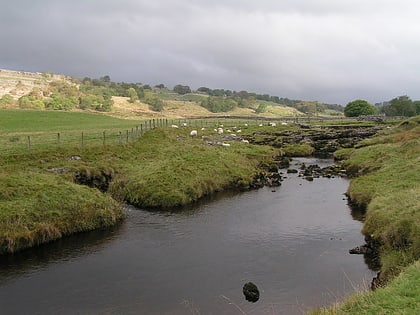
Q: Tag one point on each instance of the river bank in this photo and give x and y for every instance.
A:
(56, 193)
(49, 195)
(385, 183)
(292, 241)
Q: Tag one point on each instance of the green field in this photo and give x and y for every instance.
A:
(24, 121)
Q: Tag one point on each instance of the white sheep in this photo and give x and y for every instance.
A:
(174, 126)
(219, 131)
(272, 124)
(284, 123)
(225, 144)
(184, 124)
(202, 129)
(193, 133)
(245, 141)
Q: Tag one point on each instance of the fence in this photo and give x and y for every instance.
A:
(21, 143)
(37, 142)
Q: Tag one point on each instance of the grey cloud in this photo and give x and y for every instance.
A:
(333, 51)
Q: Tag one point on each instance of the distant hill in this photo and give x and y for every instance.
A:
(42, 90)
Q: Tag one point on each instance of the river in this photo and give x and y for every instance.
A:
(291, 241)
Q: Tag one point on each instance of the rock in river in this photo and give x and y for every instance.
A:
(251, 292)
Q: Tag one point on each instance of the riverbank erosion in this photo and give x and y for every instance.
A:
(48, 195)
(386, 184)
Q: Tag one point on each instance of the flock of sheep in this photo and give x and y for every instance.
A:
(220, 131)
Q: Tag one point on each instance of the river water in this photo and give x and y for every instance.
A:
(291, 241)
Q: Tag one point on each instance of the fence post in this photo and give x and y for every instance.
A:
(29, 144)
(120, 137)
(83, 140)
(58, 140)
(103, 139)
(141, 129)
(126, 136)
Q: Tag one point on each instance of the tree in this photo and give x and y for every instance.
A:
(203, 89)
(261, 108)
(132, 94)
(359, 108)
(6, 100)
(160, 86)
(182, 89)
(417, 105)
(400, 106)
(105, 78)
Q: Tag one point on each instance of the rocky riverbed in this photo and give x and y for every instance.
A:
(324, 140)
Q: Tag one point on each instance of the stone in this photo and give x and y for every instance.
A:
(251, 292)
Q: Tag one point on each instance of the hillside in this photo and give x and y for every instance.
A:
(28, 90)
(20, 83)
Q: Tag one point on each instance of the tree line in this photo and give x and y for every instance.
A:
(399, 106)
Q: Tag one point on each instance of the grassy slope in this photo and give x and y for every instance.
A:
(388, 184)
(164, 168)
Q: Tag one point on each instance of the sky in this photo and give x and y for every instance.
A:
(332, 51)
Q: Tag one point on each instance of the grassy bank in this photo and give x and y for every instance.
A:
(49, 194)
(401, 296)
(387, 184)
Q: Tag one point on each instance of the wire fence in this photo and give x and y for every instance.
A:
(23, 143)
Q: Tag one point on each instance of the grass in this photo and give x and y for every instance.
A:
(401, 296)
(387, 184)
(22, 121)
(40, 199)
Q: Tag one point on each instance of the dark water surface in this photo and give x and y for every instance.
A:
(292, 243)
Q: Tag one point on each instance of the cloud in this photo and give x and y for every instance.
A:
(332, 51)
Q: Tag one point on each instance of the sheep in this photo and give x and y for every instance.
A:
(219, 131)
(202, 129)
(174, 126)
(284, 123)
(246, 125)
(225, 144)
(193, 133)
(272, 124)
(184, 124)
(239, 131)
(245, 141)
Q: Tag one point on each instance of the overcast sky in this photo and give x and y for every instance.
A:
(327, 50)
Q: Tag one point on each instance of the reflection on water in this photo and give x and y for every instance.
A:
(293, 243)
